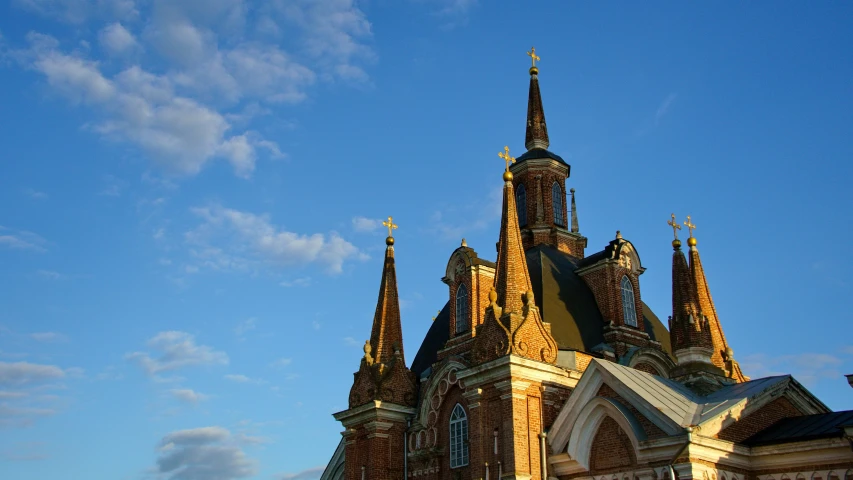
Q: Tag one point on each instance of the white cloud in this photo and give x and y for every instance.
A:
(237, 378)
(48, 337)
(21, 240)
(351, 342)
(245, 326)
(21, 416)
(307, 474)
(35, 194)
(808, 368)
(5, 395)
(234, 240)
(24, 373)
(176, 350)
(188, 395)
(664, 107)
(297, 282)
(208, 453)
(116, 39)
(78, 11)
(281, 363)
(363, 224)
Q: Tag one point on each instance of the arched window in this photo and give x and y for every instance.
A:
(458, 437)
(629, 309)
(521, 205)
(461, 308)
(557, 204)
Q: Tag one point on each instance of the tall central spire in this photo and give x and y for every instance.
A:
(512, 278)
(386, 337)
(537, 131)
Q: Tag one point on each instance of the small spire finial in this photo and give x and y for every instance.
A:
(690, 227)
(533, 58)
(618, 234)
(675, 228)
(508, 159)
(390, 224)
(464, 243)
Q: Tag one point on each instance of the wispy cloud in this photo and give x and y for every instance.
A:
(24, 452)
(21, 240)
(351, 342)
(296, 282)
(49, 337)
(239, 378)
(176, 350)
(202, 453)
(188, 395)
(244, 327)
(176, 102)
(808, 368)
(664, 107)
(35, 194)
(21, 404)
(230, 239)
(364, 224)
(313, 473)
(25, 373)
(281, 363)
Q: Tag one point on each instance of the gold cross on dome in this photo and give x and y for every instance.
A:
(390, 224)
(690, 226)
(532, 54)
(506, 157)
(675, 226)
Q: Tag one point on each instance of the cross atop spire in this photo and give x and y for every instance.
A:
(533, 57)
(390, 224)
(506, 157)
(691, 241)
(537, 133)
(675, 228)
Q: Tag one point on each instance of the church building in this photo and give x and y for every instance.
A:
(547, 364)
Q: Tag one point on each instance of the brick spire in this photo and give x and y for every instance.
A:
(387, 333)
(537, 132)
(723, 356)
(513, 324)
(686, 327)
(511, 275)
(575, 228)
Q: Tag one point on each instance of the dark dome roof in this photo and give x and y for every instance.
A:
(540, 153)
(565, 302)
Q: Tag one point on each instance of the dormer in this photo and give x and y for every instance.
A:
(469, 279)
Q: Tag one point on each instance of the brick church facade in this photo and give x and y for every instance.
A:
(547, 364)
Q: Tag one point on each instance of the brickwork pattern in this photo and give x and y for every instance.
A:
(611, 449)
(757, 421)
(683, 333)
(652, 431)
(387, 332)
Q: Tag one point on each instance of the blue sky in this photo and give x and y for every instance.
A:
(190, 199)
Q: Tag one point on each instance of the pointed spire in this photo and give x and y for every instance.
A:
(687, 328)
(575, 228)
(386, 337)
(512, 278)
(723, 356)
(537, 132)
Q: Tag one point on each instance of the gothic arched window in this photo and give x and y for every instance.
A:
(461, 308)
(629, 308)
(458, 437)
(557, 204)
(521, 205)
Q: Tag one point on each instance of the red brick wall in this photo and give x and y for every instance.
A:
(757, 421)
(611, 449)
(652, 430)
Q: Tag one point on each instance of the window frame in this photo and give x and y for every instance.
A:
(462, 326)
(629, 302)
(557, 204)
(521, 205)
(458, 439)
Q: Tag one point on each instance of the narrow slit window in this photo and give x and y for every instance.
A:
(557, 204)
(629, 308)
(462, 308)
(521, 205)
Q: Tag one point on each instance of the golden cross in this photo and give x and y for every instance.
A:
(391, 226)
(506, 157)
(690, 226)
(532, 54)
(675, 226)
